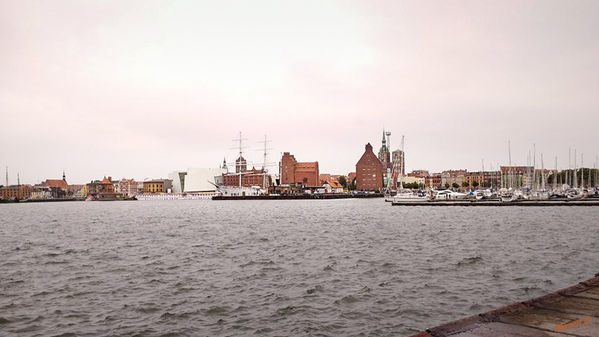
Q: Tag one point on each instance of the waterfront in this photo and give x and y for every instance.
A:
(297, 267)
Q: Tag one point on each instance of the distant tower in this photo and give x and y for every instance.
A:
(18, 179)
(64, 177)
(224, 168)
(384, 154)
(6, 176)
(240, 165)
(388, 134)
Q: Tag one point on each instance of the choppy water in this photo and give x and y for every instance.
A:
(277, 268)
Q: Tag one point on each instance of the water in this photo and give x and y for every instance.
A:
(277, 268)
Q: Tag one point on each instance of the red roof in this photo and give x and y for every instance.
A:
(56, 183)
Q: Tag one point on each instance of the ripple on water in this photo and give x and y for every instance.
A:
(321, 268)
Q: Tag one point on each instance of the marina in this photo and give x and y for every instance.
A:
(499, 203)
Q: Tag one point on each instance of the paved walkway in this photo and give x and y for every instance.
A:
(573, 311)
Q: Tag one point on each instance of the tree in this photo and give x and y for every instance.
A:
(475, 184)
(455, 185)
(342, 181)
(447, 185)
(352, 186)
(411, 185)
(465, 184)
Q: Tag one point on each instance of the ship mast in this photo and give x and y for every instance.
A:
(238, 163)
(575, 176)
(509, 152)
(265, 163)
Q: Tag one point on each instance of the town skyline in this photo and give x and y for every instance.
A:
(274, 159)
(132, 90)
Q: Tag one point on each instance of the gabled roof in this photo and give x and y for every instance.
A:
(56, 183)
(369, 157)
(334, 183)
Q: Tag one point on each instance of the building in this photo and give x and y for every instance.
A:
(451, 177)
(369, 171)
(202, 179)
(19, 192)
(127, 187)
(58, 188)
(157, 186)
(351, 177)
(385, 155)
(241, 165)
(296, 173)
(399, 164)
(515, 176)
(105, 190)
(434, 181)
(75, 191)
(333, 186)
(253, 177)
(483, 179)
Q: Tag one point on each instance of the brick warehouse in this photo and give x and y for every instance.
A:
(249, 178)
(298, 173)
(369, 171)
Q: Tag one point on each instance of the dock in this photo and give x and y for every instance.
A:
(473, 203)
(572, 311)
(298, 196)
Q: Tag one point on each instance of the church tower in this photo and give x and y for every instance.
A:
(384, 154)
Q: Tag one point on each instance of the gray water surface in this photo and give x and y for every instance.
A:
(278, 268)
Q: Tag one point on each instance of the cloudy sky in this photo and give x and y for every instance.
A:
(141, 88)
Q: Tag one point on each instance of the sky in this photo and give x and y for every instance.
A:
(139, 89)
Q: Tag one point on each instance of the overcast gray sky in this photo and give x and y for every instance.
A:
(141, 88)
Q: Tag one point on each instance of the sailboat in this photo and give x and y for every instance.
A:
(402, 195)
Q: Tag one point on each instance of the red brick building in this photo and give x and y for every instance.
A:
(298, 173)
(369, 171)
(20, 192)
(249, 178)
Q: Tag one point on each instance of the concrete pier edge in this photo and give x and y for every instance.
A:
(470, 322)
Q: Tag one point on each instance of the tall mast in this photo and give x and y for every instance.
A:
(568, 179)
(18, 179)
(555, 176)
(238, 163)
(265, 163)
(535, 185)
(483, 167)
(6, 176)
(401, 163)
(582, 170)
(542, 173)
(509, 152)
(575, 177)
(595, 167)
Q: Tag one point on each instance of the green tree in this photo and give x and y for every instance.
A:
(455, 185)
(475, 184)
(342, 181)
(447, 185)
(411, 185)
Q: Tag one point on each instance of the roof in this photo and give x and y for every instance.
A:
(334, 183)
(568, 312)
(369, 158)
(57, 183)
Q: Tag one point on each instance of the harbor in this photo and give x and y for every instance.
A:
(499, 203)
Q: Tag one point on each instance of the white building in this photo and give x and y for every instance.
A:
(195, 180)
